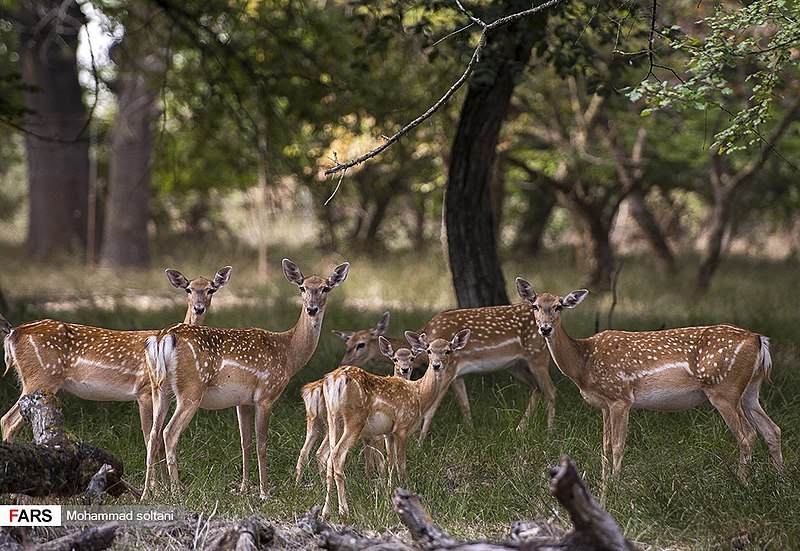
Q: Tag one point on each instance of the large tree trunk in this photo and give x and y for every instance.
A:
(472, 244)
(125, 239)
(139, 59)
(57, 144)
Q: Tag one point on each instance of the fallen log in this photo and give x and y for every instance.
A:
(56, 464)
(594, 529)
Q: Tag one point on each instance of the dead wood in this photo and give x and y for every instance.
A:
(56, 464)
(249, 534)
(93, 538)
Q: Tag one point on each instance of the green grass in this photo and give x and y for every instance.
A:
(678, 489)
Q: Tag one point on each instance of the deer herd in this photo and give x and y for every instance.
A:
(197, 366)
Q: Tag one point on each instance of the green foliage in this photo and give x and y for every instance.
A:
(740, 60)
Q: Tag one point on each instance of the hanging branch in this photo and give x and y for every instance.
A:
(486, 29)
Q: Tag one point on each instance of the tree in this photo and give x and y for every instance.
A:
(471, 240)
(140, 61)
(55, 126)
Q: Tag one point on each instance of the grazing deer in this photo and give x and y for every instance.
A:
(95, 363)
(210, 368)
(666, 370)
(503, 337)
(369, 406)
(317, 418)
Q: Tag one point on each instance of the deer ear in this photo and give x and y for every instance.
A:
(339, 274)
(292, 272)
(385, 346)
(416, 341)
(382, 325)
(525, 290)
(574, 298)
(344, 335)
(176, 278)
(223, 276)
(460, 339)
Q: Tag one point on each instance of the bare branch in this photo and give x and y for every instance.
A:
(487, 28)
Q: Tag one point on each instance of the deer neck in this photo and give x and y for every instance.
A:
(303, 339)
(428, 387)
(569, 354)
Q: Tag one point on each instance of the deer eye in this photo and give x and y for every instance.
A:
(326, 289)
(188, 291)
(210, 292)
(535, 307)
(360, 345)
(559, 307)
(394, 360)
(302, 289)
(447, 351)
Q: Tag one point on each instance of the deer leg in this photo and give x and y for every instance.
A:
(460, 390)
(744, 433)
(618, 415)
(766, 427)
(184, 412)
(323, 454)
(606, 454)
(245, 414)
(428, 417)
(313, 432)
(400, 443)
(336, 465)
(155, 442)
(263, 414)
(374, 462)
(12, 423)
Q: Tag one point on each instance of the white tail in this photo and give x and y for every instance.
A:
(361, 404)
(248, 368)
(503, 337)
(91, 362)
(316, 419)
(667, 370)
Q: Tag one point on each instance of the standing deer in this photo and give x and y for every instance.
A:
(95, 363)
(667, 370)
(210, 368)
(503, 337)
(317, 418)
(368, 406)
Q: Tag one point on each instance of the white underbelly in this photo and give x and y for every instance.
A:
(100, 391)
(222, 397)
(668, 399)
(377, 424)
(467, 365)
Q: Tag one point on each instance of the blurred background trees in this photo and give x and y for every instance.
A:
(596, 129)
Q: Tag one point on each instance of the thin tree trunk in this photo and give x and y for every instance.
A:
(652, 232)
(57, 144)
(472, 243)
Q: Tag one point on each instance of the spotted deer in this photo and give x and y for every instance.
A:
(317, 418)
(95, 363)
(666, 370)
(503, 337)
(210, 368)
(363, 405)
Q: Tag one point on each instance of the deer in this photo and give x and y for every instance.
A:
(503, 337)
(94, 363)
(365, 405)
(211, 368)
(316, 419)
(665, 370)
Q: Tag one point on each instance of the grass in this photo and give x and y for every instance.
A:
(678, 489)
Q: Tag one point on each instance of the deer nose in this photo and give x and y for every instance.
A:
(199, 308)
(436, 365)
(312, 310)
(545, 330)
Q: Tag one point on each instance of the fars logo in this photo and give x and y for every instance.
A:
(30, 515)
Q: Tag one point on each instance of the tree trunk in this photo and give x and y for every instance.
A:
(472, 244)
(139, 59)
(57, 144)
(125, 238)
(652, 232)
(718, 227)
(541, 202)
